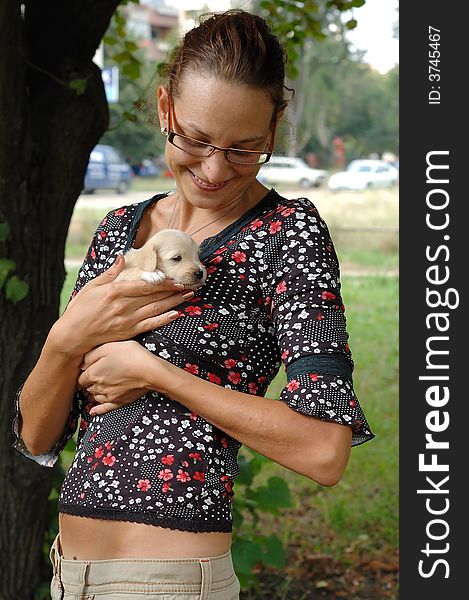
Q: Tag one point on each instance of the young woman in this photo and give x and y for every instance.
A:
(166, 398)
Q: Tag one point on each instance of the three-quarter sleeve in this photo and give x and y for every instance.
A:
(48, 459)
(309, 319)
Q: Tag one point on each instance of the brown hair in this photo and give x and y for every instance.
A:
(234, 46)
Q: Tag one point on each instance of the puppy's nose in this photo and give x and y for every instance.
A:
(199, 274)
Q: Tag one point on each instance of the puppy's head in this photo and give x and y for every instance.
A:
(177, 255)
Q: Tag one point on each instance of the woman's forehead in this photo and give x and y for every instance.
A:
(207, 104)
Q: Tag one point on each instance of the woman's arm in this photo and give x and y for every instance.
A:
(101, 312)
(319, 450)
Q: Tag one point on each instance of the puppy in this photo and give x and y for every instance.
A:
(169, 253)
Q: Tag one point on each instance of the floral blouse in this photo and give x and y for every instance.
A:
(272, 296)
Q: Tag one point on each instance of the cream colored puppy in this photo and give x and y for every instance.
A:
(169, 253)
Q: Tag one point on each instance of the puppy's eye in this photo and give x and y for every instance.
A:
(177, 258)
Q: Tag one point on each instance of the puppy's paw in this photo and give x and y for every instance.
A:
(153, 276)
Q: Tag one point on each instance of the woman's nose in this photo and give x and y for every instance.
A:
(216, 168)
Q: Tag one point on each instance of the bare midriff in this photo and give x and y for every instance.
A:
(85, 538)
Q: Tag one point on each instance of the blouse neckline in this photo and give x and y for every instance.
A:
(213, 243)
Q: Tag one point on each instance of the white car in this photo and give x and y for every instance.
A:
(364, 173)
(290, 170)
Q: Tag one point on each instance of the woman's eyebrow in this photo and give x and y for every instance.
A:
(244, 141)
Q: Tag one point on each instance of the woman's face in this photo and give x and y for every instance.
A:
(220, 113)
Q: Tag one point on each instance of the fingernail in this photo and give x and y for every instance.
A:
(179, 286)
(188, 295)
(174, 313)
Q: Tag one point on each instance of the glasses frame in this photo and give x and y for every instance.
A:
(171, 134)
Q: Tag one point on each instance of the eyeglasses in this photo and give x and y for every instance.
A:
(202, 149)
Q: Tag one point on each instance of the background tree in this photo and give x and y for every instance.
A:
(53, 111)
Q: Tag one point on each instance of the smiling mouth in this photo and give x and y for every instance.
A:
(205, 184)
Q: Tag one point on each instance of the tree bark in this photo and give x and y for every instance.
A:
(47, 131)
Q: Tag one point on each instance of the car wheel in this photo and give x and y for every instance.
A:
(122, 188)
(305, 183)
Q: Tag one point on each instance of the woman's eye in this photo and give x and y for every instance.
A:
(177, 258)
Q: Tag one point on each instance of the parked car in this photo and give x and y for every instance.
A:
(107, 169)
(148, 169)
(364, 173)
(291, 170)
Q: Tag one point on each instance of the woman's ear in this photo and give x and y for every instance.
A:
(163, 106)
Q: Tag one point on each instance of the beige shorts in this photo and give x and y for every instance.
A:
(143, 578)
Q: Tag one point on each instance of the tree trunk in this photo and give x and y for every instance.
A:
(47, 131)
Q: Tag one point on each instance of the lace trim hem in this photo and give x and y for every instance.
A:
(147, 518)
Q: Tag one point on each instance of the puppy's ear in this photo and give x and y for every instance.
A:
(148, 257)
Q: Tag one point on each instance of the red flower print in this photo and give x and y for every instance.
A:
(214, 379)
(220, 250)
(293, 385)
(193, 310)
(167, 488)
(285, 353)
(352, 403)
(194, 369)
(230, 363)
(261, 379)
(287, 212)
(90, 459)
(313, 376)
(93, 253)
(183, 476)
(102, 234)
(281, 287)
(319, 317)
(193, 416)
(94, 436)
(275, 226)
(184, 464)
(347, 348)
(99, 452)
(119, 212)
(108, 445)
(211, 270)
(82, 495)
(168, 459)
(242, 276)
(208, 306)
(83, 425)
(252, 387)
(165, 474)
(104, 221)
(216, 260)
(224, 477)
(234, 377)
(224, 442)
(143, 485)
(255, 224)
(199, 476)
(211, 326)
(195, 456)
(328, 296)
(238, 256)
(109, 460)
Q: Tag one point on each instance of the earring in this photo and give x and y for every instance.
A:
(163, 130)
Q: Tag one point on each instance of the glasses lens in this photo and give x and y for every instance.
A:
(190, 146)
(247, 158)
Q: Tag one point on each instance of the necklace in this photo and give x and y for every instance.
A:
(176, 202)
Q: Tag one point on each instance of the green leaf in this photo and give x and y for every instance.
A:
(16, 289)
(351, 24)
(274, 496)
(274, 553)
(4, 231)
(78, 86)
(132, 69)
(6, 265)
(109, 40)
(130, 46)
(246, 555)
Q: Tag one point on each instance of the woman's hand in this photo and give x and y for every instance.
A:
(114, 374)
(106, 311)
